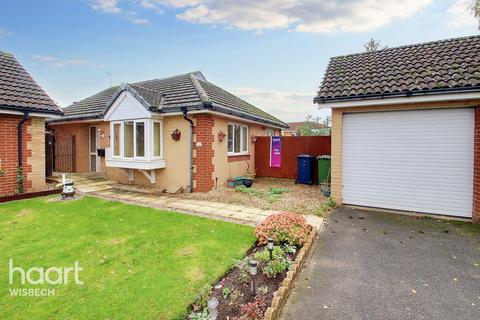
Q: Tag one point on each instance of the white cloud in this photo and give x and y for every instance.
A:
(303, 16)
(323, 16)
(56, 62)
(107, 6)
(112, 7)
(5, 32)
(460, 15)
(287, 106)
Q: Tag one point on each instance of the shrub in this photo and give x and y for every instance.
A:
(283, 227)
(253, 310)
(276, 267)
(226, 293)
(202, 298)
(200, 315)
(264, 255)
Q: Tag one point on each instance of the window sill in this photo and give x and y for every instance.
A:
(136, 163)
(238, 157)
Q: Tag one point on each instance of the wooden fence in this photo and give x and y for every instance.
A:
(291, 147)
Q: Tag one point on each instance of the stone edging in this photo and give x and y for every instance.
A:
(281, 295)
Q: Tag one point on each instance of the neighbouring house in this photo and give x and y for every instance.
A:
(23, 109)
(180, 133)
(406, 127)
(294, 128)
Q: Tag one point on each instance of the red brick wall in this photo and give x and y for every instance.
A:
(476, 168)
(9, 154)
(203, 155)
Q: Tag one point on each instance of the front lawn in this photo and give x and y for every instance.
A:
(138, 263)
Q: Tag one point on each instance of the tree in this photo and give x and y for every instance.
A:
(475, 10)
(311, 128)
(373, 45)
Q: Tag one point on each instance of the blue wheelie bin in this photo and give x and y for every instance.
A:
(306, 167)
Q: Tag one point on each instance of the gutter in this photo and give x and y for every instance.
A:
(397, 94)
(30, 110)
(185, 111)
(20, 153)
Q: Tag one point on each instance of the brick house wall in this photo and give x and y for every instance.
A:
(33, 148)
(203, 155)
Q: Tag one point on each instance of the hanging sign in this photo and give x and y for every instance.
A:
(275, 152)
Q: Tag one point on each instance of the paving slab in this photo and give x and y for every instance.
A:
(99, 186)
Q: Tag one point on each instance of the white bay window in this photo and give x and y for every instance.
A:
(136, 144)
(237, 139)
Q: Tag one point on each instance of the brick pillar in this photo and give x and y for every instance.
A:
(203, 155)
(476, 168)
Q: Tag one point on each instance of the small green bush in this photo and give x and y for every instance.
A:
(264, 255)
(202, 297)
(226, 292)
(275, 267)
(204, 315)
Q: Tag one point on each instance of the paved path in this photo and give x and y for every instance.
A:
(99, 186)
(368, 265)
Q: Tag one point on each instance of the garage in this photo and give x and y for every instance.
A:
(420, 160)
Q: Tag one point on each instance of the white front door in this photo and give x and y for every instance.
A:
(418, 160)
(93, 145)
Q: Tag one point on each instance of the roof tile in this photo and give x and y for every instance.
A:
(448, 64)
(19, 90)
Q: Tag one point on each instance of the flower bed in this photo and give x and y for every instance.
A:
(283, 241)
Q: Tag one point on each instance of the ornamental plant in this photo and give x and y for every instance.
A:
(283, 228)
(254, 310)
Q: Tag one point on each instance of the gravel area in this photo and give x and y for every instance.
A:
(297, 198)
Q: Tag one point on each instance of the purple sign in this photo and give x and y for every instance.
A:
(275, 152)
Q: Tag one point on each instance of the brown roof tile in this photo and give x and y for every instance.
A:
(18, 90)
(447, 65)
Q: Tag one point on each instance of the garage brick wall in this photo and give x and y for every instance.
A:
(337, 142)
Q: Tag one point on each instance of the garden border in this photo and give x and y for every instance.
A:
(281, 295)
(29, 195)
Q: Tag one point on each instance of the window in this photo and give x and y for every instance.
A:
(128, 139)
(116, 139)
(156, 139)
(237, 139)
(140, 139)
(136, 140)
(271, 132)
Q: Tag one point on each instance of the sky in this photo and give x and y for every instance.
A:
(271, 53)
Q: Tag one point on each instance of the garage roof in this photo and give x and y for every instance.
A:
(431, 67)
(18, 90)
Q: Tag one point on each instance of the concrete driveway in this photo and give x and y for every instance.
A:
(370, 265)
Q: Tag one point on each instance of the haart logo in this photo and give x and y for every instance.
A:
(40, 276)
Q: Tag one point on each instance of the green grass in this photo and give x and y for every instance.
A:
(138, 263)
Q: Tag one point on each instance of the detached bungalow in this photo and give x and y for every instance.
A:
(176, 133)
(23, 109)
(406, 127)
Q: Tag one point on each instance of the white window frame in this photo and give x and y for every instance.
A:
(148, 140)
(232, 153)
(271, 132)
(153, 139)
(145, 146)
(120, 139)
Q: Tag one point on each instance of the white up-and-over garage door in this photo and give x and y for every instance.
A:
(418, 160)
